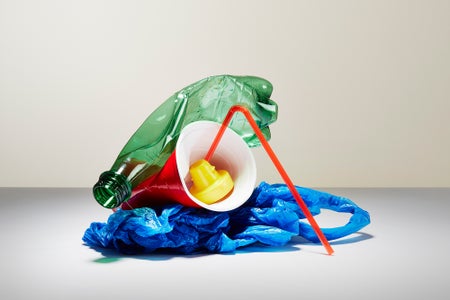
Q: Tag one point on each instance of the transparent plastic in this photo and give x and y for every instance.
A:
(151, 145)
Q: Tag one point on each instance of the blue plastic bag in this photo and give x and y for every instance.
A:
(271, 217)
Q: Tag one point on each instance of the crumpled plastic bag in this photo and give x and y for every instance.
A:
(270, 217)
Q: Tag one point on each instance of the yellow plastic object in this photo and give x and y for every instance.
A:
(210, 185)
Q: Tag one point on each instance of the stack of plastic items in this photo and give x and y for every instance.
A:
(167, 193)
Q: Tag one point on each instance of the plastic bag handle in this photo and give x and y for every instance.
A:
(359, 219)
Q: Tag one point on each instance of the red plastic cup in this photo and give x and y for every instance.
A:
(172, 183)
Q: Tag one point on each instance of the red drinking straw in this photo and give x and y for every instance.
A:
(276, 162)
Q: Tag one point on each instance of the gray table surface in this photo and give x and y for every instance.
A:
(402, 254)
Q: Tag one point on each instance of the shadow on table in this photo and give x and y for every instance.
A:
(111, 255)
(353, 238)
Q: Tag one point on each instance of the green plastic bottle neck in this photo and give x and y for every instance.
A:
(112, 189)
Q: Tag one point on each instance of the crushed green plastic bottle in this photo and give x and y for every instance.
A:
(150, 146)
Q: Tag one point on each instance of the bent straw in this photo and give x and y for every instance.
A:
(276, 162)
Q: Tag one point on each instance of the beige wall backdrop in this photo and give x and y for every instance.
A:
(363, 87)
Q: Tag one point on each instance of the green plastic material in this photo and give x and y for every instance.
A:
(151, 145)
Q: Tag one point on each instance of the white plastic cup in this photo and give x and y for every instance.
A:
(232, 154)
